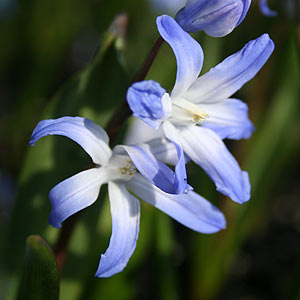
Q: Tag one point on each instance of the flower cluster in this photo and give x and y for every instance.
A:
(189, 123)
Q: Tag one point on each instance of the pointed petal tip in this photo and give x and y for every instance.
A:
(266, 39)
(159, 18)
(251, 129)
(215, 226)
(245, 134)
(106, 272)
(220, 226)
(224, 224)
(239, 196)
(246, 187)
(125, 212)
(54, 220)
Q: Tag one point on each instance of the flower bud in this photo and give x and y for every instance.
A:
(264, 8)
(216, 17)
(149, 102)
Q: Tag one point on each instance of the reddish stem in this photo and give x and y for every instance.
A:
(115, 123)
(122, 112)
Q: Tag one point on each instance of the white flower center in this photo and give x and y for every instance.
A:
(186, 111)
(120, 167)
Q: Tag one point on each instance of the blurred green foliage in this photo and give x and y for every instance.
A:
(62, 57)
(40, 275)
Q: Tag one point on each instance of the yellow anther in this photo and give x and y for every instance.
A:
(200, 117)
(190, 110)
(129, 169)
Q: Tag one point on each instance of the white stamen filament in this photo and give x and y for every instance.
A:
(191, 109)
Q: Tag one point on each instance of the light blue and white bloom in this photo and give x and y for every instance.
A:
(216, 17)
(120, 169)
(199, 112)
(265, 9)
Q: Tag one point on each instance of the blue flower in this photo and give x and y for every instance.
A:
(216, 17)
(147, 99)
(264, 8)
(127, 170)
(202, 112)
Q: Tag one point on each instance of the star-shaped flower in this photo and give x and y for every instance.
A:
(129, 171)
(199, 112)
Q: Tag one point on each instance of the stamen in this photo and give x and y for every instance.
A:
(198, 118)
(196, 114)
(129, 169)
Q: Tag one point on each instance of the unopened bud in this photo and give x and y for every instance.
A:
(216, 17)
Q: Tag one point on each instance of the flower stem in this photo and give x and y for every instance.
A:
(122, 112)
(118, 118)
(62, 242)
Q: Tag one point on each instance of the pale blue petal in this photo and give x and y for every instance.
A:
(230, 75)
(157, 172)
(188, 52)
(264, 8)
(75, 194)
(145, 100)
(164, 151)
(180, 170)
(216, 17)
(207, 150)
(90, 136)
(125, 214)
(228, 118)
(189, 209)
(139, 132)
(246, 6)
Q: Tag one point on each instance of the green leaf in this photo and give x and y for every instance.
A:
(91, 93)
(100, 86)
(40, 278)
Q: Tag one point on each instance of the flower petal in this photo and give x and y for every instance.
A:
(149, 102)
(90, 136)
(189, 209)
(230, 75)
(216, 17)
(75, 194)
(155, 171)
(125, 213)
(229, 119)
(246, 4)
(188, 52)
(140, 132)
(207, 150)
(180, 170)
(164, 151)
(264, 8)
